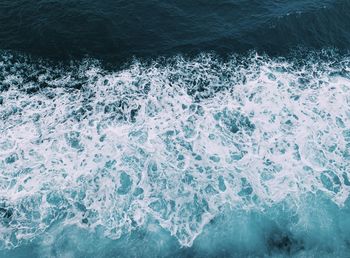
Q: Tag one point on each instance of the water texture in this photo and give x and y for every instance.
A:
(174, 128)
(179, 144)
(114, 30)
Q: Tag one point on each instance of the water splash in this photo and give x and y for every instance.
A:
(178, 141)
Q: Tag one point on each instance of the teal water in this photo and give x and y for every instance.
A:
(178, 157)
(317, 228)
(174, 128)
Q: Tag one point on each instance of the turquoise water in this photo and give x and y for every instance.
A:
(317, 228)
(181, 157)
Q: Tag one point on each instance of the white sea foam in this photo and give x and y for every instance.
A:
(176, 141)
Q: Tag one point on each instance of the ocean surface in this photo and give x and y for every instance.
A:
(184, 128)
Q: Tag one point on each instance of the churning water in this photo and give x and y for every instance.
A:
(199, 155)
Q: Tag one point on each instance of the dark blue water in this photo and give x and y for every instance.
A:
(174, 128)
(117, 30)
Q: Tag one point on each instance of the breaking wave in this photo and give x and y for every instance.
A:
(176, 141)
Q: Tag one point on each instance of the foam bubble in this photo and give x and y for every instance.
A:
(175, 141)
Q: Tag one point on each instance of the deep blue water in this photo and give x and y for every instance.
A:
(174, 128)
(117, 30)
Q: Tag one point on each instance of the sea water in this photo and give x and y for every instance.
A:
(200, 157)
(174, 128)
